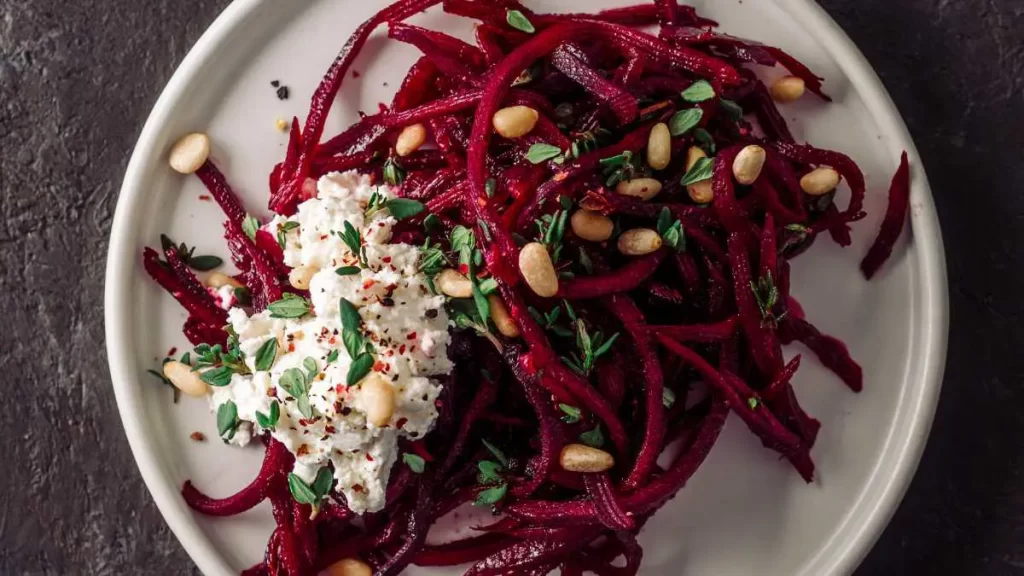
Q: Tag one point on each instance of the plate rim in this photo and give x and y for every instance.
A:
(905, 445)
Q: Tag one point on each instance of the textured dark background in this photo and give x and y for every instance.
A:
(77, 80)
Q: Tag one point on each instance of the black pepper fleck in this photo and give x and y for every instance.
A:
(432, 313)
(282, 93)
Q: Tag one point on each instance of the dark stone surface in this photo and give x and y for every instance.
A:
(77, 80)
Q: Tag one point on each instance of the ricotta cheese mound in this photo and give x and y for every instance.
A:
(402, 320)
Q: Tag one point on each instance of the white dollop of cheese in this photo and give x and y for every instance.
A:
(406, 324)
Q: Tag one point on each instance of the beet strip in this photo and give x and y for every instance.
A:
(832, 353)
(221, 191)
(622, 279)
(698, 332)
(609, 511)
(840, 162)
(463, 551)
(893, 222)
(621, 103)
(276, 460)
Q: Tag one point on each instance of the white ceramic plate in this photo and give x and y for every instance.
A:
(744, 512)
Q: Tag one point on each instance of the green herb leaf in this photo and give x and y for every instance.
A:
(309, 363)
(542, 152)
(604, 348)
(289, 306)
(269, 422)
(767, 295)
(490, 186)
(668, 397)
(323, 483)
(227, 420)
(293, 381)
(491, 496)
(699, 91)
(282, 232)
(266, 354)
(705, 139)
(753, 402)
(301, 491)
(701, 170)
(360, 367)
(332, 356)
(218, 377)
(302, 403)
(731, 108)
(402, 208)
(664, 220)
(350, 318)
(394, 174)
(488, 286)
(518, 20)
(351, 237)
(415, 463)
(593, 438)
(243, 296)
(483, 307)
(462, 238)
(250, 225)
(684, 121)
(497, 453)
(431, 224)
(204, 263)
(490, 472)
(572, 413)
(347, 270)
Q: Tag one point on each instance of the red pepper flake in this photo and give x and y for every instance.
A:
(401, 423)
(332, 340)
(560, 176)
(386, 259)
(303, 450)
(291, 347)
(197, 437)
(411, 336)
(389, 353)
(339, 388)
(357, 488)
(369, 283)
(369, 458)
(463, 269)
(330, 429)
(421, 451)
(205, 197)
(172, 351)
(401, 349)
(379, 366)
(323, 236)
(355, 74)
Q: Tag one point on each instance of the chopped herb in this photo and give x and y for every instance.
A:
(400, 208)
(351, 237)
(593, 438)
(590, 348)
(587, 142)
(283, 230)
(360, 367)
(490, 472)
(585, 262)
(797, 235)
(289, 306)
(485, 228)
(266, 354)
(293, 381)
(333, 356)
(671, 230)
(668, 397)
(227, 420)
(518, 20)
(164, 379)
(217, 377)
(685, 120)
(732, 109)
(483, 307)
(204, 263)
(699, 91)
(432, 259)
(490, 186)
(497, 453)
(415, 463)
(551, 231)
(311, 494)
(394, 174)
(701, 170)
(572, 413)
(488, 286)
(621, 167)
(542, 152)
(269, 422)
(767, 296)
(250, 225)
(705, 139)
(462, 238)
(753, 402)
(347, 270)
(491, 496)
(431, 224)
(242, 295)
(309, 363)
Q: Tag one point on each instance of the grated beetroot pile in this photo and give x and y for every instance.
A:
(611, 360)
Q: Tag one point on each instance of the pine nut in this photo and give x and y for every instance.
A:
(820, 181)
(220, 279)
(502, 319)
(659, 147)
(747, 166)
(639, 241)
(189, 153)
(453, 284)
(378, 398)
(787, 89)
(515, 121)
(700, 192)
(591, 225)
(410, 139)
(299, 277)
(538, 271)
(184, 379)
(642, 188)
(350, 567)
(583, 458)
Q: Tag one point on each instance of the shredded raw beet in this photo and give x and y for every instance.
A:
(617, 357)
(893, 223)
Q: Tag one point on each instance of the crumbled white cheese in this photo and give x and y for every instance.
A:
(406, 325)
